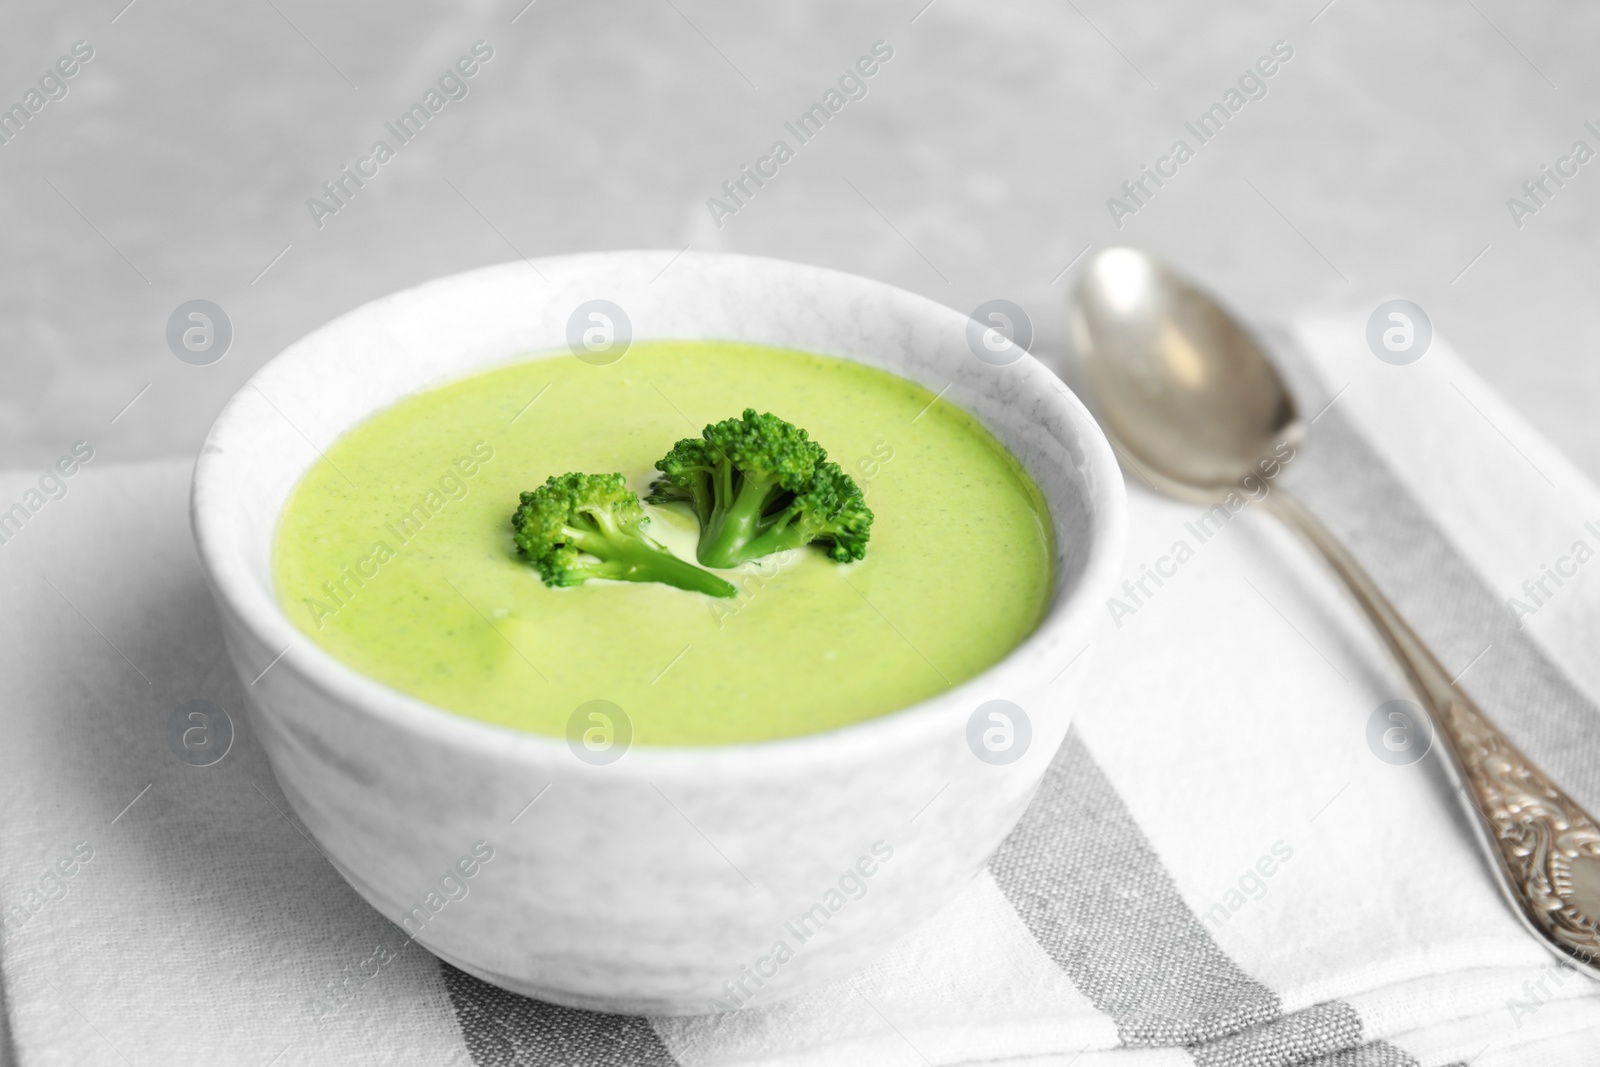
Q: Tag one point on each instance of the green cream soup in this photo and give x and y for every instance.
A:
(395, 555)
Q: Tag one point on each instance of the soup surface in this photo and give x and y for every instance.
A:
(395, 554)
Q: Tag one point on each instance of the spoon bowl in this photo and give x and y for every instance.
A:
(1185, 391)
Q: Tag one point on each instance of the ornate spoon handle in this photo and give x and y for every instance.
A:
(1546, 848)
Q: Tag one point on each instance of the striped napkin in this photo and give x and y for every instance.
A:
(1240, 856)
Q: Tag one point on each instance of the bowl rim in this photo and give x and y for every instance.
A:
(256, 610)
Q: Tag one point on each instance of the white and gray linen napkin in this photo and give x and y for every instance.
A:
(1234, 859)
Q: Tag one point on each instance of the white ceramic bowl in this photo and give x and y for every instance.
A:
(666, 881)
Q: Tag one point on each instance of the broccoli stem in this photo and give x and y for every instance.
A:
(724, 540)
(651, 565)
(630, 558)
(781, 536)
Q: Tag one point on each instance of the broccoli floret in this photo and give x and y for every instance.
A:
(831, 513)
(760, 485)
(581, 526)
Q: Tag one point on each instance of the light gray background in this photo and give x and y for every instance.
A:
(1378, 165)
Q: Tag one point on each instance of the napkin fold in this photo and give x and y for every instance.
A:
(1227, 863)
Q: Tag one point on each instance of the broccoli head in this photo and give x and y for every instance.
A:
(760, 485)
(581, 526)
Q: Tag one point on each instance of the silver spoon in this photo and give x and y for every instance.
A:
(1195, 407)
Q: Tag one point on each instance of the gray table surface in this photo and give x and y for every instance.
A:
(979, 165)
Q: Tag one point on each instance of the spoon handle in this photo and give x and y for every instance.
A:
(1546, 848)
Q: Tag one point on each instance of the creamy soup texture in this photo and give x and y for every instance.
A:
(395, 554)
